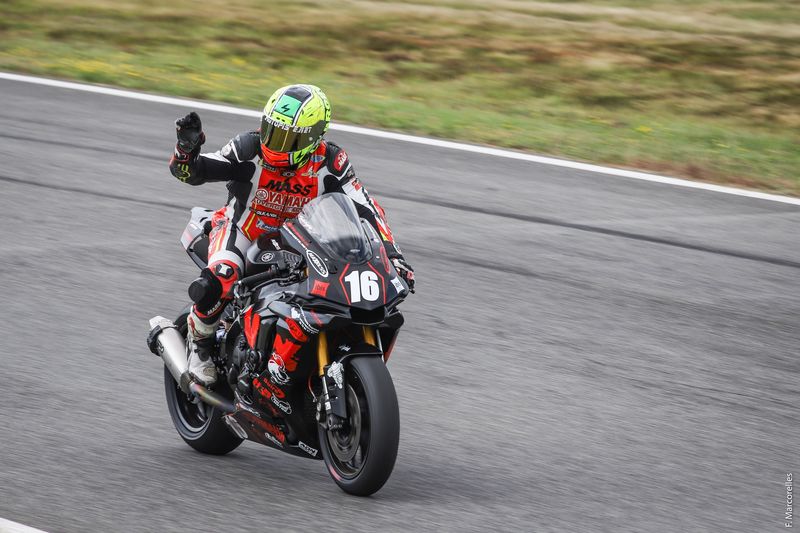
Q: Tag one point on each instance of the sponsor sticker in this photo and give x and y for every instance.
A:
(296, 330)
(260, 224)
(282, 405)
(339, 162)
(273, 439)
(336, 373)
(317, 263)
(397, 284)
(294, 235)
(320, 288)
(300, 317)
(266, 387)
(267, 256)
(285, 125)
(275, 430)
(214, 309)
(287, 186)
(277, 369)
(308, 449)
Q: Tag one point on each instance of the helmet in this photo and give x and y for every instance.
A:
(294, 121)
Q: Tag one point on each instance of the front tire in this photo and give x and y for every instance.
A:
(200, 425)
(360, 457)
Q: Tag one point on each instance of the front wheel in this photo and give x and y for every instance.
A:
(360, 456)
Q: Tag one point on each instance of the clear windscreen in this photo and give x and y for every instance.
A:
(332, 220)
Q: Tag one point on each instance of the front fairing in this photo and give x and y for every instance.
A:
(352, 269)
(367, 285)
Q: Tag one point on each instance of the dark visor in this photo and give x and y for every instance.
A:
(281, 140)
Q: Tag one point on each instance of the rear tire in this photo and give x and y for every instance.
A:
(200, 425)
(360, 457)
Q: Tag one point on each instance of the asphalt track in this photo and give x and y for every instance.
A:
(584, 352)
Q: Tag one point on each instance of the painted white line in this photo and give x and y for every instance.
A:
(7, 526)
(196, 104)
(485, 150)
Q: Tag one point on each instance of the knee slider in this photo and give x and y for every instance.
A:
(205, 291)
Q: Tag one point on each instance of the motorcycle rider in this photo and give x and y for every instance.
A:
(271, 174)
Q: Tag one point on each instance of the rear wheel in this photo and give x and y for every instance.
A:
(360, 456)
(200, 425)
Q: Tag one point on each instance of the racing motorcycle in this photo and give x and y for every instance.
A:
(329, 275)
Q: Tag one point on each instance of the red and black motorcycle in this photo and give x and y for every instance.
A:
(328, 274)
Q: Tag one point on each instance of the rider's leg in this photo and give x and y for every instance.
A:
(227, 247)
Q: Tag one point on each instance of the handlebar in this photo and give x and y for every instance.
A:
(255, 279)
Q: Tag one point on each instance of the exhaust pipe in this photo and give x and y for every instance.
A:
(165, 341)
(211, 398)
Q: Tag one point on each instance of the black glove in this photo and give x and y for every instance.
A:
(405, 271)
(190, 134)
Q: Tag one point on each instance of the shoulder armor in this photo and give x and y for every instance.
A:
(337, 161)
(243, 147)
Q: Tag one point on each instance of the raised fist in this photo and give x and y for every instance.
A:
(190, 132)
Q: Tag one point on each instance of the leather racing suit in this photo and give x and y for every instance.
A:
(260, 199)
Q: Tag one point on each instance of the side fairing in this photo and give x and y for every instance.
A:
(194, 238)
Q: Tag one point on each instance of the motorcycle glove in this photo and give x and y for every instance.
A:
(189, 130)
(405, 271)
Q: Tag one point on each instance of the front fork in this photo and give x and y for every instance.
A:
(332, 375)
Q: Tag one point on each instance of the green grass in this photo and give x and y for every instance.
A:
(706, 89)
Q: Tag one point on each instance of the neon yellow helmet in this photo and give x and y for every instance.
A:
(294, 121)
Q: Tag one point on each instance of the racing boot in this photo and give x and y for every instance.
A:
(200, 343)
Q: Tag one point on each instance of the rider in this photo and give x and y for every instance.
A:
(271, 174)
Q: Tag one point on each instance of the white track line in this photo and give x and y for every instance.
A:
(508, 154)
(7, 526)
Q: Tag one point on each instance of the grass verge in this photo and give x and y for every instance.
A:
(705, 89)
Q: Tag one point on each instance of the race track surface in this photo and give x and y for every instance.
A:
(584, 352)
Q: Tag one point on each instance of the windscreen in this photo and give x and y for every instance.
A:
(333, 222)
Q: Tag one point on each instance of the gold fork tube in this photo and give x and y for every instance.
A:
(322, 352)
(369, 335)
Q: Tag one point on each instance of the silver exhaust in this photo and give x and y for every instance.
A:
(166, 342)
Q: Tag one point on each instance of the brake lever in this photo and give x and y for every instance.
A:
(237, 292)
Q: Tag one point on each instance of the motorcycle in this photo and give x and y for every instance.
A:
(330, 277)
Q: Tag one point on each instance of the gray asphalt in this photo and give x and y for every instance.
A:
(584, 352)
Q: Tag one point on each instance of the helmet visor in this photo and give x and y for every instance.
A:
(292, 139)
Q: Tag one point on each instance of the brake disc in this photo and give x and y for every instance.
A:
(344, 442)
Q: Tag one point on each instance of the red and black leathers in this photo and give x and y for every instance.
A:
(260, 199)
